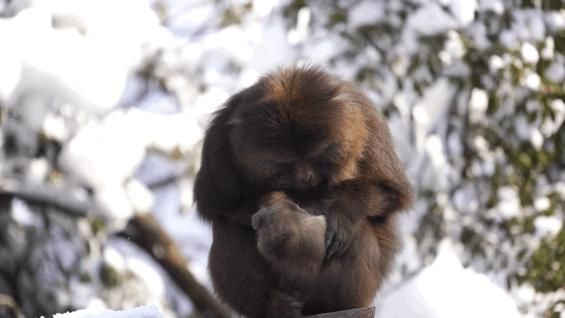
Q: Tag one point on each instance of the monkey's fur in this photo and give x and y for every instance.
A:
(292, 242)
(319, 143)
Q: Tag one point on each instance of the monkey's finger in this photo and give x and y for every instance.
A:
(337, 246)
(342, 240)
(333, 247)
(330, 230)
(330, 251)
(342, 245)
(330, 238)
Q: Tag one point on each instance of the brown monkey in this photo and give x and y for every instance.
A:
(322, 143)
(292, 242)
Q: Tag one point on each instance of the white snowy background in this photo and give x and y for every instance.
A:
(107, 101)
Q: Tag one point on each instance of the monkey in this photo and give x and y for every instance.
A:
(292, 241)
(321, 142)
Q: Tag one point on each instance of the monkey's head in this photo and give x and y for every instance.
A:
(297, 129)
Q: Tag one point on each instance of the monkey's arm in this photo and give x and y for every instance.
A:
(382, 190)
(354, 201)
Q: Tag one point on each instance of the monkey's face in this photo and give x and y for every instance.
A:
(295, 131)
(285, 155)
(286, 169)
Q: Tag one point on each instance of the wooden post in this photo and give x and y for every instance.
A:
(366, 312)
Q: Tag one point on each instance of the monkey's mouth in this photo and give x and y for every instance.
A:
(312, 192)
(304, 187)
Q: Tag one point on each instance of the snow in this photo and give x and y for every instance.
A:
(478, 104)
(38, 169)
(551, 126)
(140, 197)
(148, 311)
(300, 32)
(22, 214)
(508, 202)
(542, 203)
(366, 12)
(556, 71)
(463, 10)
(529, 53)
(54, 64)
(556, 20)
(87, 153)
(430, 19)
(262, 8)
(548, 225)
(495, 63)
(113, 204)
(508, 39)
(435, 149)
(56, 127)
(10, 64)
(444, 289)
(496, 6)
(53, 45)
(531, 80)
(127, 135)
(453, 49)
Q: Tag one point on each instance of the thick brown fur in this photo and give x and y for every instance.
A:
(320, 142)
(292, 242)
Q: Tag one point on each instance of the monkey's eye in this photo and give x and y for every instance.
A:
(267, 166)
(275, 166)
(332, 149)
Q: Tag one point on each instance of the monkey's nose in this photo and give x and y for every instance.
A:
(308, 178)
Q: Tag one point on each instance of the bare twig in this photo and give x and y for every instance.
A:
(8, 302)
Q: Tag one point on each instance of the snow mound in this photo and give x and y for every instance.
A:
(148, 311)
(445, 289)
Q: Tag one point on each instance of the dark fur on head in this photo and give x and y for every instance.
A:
(320, 143)
(299, 116)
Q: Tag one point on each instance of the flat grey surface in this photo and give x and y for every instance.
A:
(366, 312)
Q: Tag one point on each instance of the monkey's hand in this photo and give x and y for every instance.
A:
(340, 231)
(272, 231)
(345, 208)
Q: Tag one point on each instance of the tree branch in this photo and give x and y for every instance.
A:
(55, 198)
(8, 304)
(146, 232)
